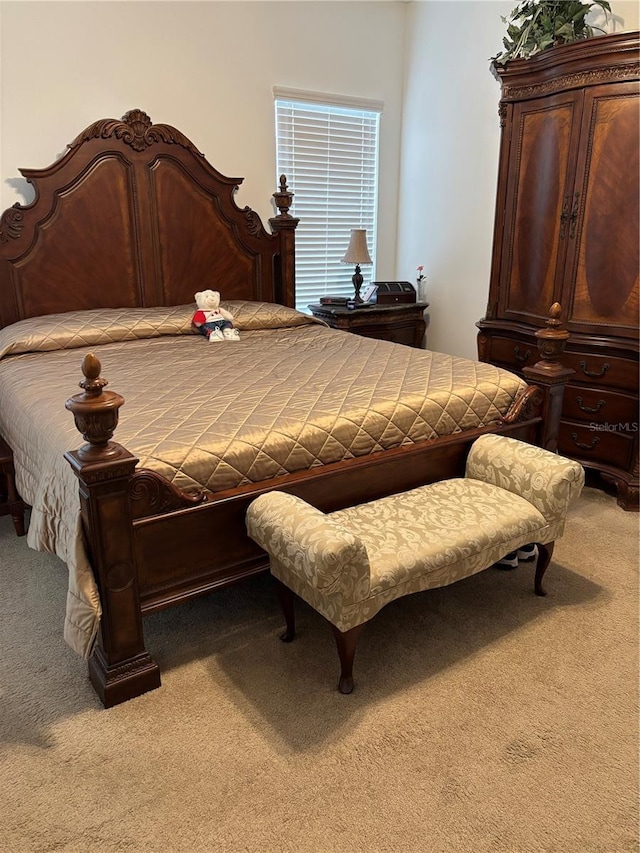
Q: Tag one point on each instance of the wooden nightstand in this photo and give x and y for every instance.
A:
(402, 324)
(10, 503)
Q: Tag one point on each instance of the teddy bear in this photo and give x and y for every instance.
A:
(212, 321)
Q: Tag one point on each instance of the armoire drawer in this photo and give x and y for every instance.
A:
(595, 405)
(510, 352)
(603, 370)
(607, 446)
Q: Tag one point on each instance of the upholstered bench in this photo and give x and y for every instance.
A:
(350, 563)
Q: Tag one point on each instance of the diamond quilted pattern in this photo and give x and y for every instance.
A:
(90, 328)
(264, 315)
(222, 415)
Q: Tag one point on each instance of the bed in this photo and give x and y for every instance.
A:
(125, 228)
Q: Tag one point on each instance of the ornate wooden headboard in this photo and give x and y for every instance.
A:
(133, 215)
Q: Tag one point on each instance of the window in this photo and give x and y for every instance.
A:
(327, 146)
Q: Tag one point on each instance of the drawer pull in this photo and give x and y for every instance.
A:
(590, 410)
(583, 365)
(519, 357)
(574, 436)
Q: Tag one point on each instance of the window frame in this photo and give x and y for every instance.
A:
(322, 241)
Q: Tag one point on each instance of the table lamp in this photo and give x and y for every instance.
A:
(357, 253)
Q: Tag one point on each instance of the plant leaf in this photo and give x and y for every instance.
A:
(566, 30)
(535, 25)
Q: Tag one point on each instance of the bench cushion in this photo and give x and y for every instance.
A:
(440, 528)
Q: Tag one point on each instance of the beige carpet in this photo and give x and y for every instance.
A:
(484, 718)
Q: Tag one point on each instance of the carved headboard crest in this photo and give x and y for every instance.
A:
(137, 130)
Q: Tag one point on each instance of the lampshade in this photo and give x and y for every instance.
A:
(357, 252)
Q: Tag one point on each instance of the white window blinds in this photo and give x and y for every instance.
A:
(329, 153)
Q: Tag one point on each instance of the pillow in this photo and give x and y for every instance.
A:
(249, 316)
(95, 326)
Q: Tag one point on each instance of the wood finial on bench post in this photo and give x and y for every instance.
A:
(119, 667)
(550, 375)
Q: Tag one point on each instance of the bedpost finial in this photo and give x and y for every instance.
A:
(551, 343)
(554, 313)
(552, 339)
(92, 382)
(283, 198)
(95, 412)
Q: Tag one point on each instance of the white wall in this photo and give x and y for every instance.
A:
(449, 160)
(208, 68)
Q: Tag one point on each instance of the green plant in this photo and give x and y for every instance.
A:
(535, 25)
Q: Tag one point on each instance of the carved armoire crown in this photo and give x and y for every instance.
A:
(566, 230)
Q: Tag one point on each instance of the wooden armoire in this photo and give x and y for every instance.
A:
(566, 230)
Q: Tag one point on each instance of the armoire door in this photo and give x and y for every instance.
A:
(603, 260)
(542, 158)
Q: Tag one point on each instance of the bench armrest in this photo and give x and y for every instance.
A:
(309, 544)
(548, 481)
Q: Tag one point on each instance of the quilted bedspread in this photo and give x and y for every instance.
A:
(290, 395)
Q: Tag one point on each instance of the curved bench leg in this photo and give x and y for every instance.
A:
(285, 597)
(346, 642)
(544, 557)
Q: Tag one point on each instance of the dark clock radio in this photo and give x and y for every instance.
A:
(391, 292)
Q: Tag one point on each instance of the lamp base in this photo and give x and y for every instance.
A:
(357, 280)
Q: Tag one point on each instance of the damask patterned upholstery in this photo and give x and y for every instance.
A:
(350, 563)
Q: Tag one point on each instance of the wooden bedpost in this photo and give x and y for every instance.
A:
(120, 666)
(551, 376)
(285, 225)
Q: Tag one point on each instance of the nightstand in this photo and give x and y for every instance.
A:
(402, 324)
(10, 503)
